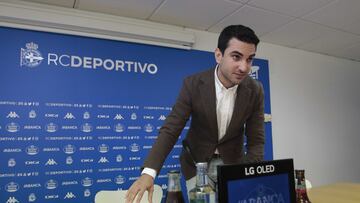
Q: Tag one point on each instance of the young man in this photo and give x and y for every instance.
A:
(225, 103)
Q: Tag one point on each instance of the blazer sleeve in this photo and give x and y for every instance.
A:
(171, 129)
(254, 129)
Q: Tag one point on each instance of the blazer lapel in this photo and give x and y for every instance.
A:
(208, 99)
(241, 103)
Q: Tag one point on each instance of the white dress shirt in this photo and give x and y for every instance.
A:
(225, 100)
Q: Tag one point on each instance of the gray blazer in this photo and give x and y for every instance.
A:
(197, 99)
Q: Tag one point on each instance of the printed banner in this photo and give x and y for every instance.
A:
(79, 114)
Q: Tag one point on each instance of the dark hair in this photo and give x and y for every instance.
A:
(240, 32)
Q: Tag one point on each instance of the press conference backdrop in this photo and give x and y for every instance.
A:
(79, 114)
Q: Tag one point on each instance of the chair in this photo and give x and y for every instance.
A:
(118, 196)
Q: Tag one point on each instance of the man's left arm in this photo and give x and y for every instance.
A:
(254, 129)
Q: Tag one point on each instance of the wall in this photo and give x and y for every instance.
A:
(316, 114)
(314, 101)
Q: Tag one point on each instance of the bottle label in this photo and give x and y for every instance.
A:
(204, 198)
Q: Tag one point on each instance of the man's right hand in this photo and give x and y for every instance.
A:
(145, 182)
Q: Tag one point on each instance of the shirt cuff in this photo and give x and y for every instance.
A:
(149, 171)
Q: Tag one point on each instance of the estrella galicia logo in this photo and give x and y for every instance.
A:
(32, 150)
(119, 128)
(51, 127)
(149, 128)
(87, 182)
(119, 179)
(12, 127)
(51, 184)
(103, 148)
(12, 187)
(30, 57)
(69, 149)
(134, 147)
(86, 128)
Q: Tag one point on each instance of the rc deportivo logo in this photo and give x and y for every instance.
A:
(30, 56)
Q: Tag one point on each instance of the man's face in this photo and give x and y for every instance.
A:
(235, 63)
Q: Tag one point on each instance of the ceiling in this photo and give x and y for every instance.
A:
(330, 27)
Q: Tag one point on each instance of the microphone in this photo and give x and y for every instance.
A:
(213, 181)
(188, 151)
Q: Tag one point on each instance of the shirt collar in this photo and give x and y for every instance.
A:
(219, 86)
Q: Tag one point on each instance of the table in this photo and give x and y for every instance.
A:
(335, 193)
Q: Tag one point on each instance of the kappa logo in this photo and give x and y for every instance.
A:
(118, 117)
(69, 116)
(103, 160)
(12, 114)
(162, 118)
(30, 57)
(51, 162)
(12, 200)
(69, 195)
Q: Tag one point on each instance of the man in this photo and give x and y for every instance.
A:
(224, 103)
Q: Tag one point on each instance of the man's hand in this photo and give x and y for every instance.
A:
(145, 182)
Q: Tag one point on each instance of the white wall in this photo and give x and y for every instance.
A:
(316, 114)
(314, 100)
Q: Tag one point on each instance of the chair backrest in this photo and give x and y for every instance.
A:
(118, 196)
